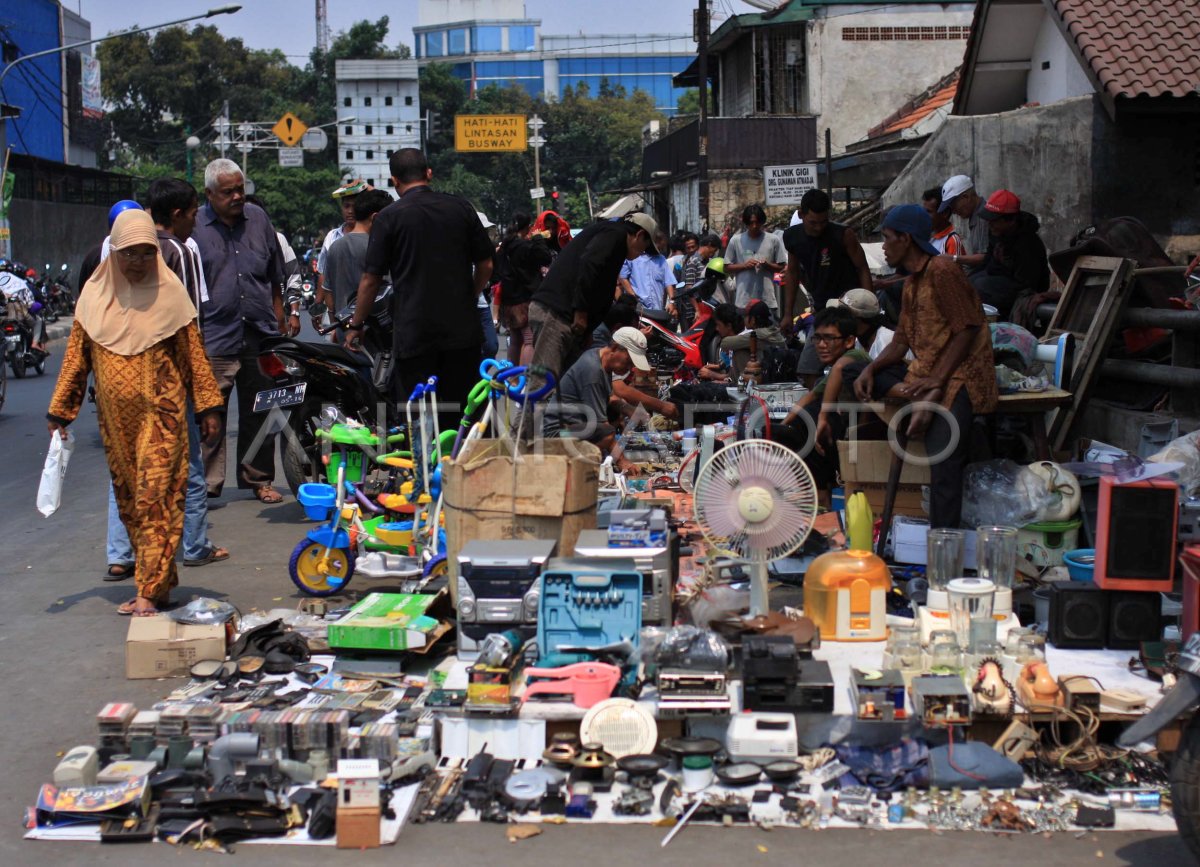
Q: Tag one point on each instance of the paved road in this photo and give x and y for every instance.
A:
(61, 651)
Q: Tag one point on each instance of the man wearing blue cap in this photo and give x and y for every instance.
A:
(952, 372)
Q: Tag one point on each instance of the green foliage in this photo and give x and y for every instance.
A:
(298, 199)
(689, 102)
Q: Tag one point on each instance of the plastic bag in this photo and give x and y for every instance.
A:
(204, 611)
(1184, 450)
(1003, 492)
(54, 471)
(690, 647)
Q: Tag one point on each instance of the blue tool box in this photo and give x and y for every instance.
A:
(588, 603)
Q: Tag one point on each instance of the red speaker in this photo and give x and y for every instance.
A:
(1136, 528)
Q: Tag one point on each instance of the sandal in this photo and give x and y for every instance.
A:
(124, 572)
(129, 609)
(267, 494)
(213, 555)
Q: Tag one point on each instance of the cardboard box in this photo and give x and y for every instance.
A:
(358, 827)
(865, 465)
(552, 494)
(910, 542)
(389, 621)
(160, 647)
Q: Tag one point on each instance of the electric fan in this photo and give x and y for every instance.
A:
(756, 499)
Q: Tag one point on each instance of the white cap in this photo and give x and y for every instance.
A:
(796, 219)
(633, 342)
(953, 188)
(487, 224)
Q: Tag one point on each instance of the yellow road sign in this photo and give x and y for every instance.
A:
(289, 129)
(489, 132)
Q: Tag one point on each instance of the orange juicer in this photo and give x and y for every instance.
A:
(845, 592)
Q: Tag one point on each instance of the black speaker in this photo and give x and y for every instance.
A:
(1133, 617)
(1078, 615)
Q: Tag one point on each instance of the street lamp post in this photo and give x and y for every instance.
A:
(536, 142)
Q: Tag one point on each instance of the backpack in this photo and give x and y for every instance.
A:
(779, 363)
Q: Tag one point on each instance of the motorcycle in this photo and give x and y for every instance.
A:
(17, 326)
(321, 383)
(1182, 700)
(688, 348)
(308, 293)
(58, 296)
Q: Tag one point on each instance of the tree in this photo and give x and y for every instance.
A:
(689, 102)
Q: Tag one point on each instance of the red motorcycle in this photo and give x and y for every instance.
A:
(668, 349)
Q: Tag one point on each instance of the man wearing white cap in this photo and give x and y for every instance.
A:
(872, 336)
(581, 407)
(961, 199)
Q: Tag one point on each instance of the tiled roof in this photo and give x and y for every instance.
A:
(1138, 47)
(917, 109)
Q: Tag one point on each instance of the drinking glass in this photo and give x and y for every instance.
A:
(997, 554)
(944, 550)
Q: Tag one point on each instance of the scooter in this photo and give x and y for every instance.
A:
(17, 327)
(1182, 700)
(691, 343)
(320, 383)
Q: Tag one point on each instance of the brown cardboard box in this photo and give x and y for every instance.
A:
(160, 647)
(556, 484)
(865, 465)
(358, 827)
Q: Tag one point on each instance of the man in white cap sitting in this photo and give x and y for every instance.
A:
(581, 408)
(960, 198)
(872, 335)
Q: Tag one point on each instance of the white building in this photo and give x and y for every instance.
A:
(379, 111)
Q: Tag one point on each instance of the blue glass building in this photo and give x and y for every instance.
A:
(514, 52)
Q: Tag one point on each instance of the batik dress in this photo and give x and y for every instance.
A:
(141, 401)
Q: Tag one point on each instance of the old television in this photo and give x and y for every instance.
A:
(1136, 528)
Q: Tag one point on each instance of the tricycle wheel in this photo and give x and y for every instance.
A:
(315, 575)
(436, 574)
(1185, 786)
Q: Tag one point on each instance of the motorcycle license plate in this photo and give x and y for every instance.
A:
(274, 398)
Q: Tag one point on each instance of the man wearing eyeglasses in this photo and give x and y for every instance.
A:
(243, 269)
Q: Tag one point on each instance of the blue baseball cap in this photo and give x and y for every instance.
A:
(123, 205)
(914, 221)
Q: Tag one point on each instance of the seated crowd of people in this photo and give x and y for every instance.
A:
(584, 302)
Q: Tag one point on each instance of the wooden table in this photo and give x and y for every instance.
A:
(1035, 404)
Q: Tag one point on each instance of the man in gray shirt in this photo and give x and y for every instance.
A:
(580, 409)
(243, 270)
(344, 262)
(754, 257)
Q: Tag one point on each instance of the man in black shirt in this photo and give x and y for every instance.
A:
(831, 261)
(580, 287)
(440, 259)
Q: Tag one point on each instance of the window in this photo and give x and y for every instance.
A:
(520, 39)
(390, 152)
(346, 101)
(458, 40)
(349, 155)
(349, 130)
(370, 155)
(433, 44)
(371, 181)
(368, 130)
(389, 129)
(408, 100)
(366, 100)
(387, 100)
(487, 38)
(408, 128)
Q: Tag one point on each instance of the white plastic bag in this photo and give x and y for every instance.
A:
(49, 494)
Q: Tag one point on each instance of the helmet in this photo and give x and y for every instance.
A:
(717, 264)
(123, 205)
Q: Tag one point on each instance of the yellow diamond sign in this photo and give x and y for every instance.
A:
(289, 129)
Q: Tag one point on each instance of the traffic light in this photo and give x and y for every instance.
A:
(554, 196)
